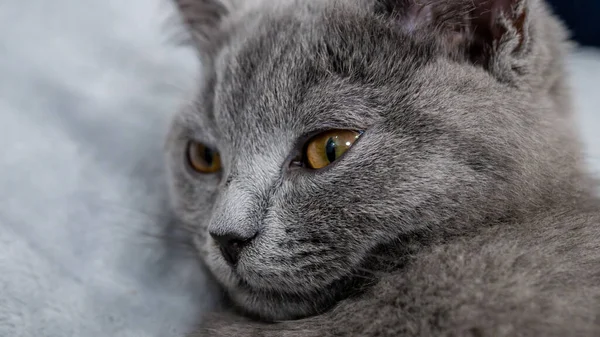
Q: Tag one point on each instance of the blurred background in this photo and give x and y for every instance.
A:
(581, 16)
(87, 242)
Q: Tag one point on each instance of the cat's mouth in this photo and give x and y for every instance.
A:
(284, 295)
(277, 301)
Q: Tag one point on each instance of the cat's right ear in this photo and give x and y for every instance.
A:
(495, 34)
(204, 19)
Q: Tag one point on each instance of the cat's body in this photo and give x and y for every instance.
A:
(464, 207)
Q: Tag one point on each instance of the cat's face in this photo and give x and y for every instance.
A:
(427, 143)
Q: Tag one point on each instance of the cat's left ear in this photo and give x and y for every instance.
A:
(204, 19)
(492, 33)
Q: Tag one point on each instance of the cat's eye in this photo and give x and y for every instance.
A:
(202, 158)
(328, 147)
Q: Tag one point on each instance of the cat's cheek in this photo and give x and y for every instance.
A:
(213, 259)
(220, 270)
(201, 244)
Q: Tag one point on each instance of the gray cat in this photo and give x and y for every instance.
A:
(387, 168)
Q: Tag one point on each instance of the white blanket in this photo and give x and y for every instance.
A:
(86, 90)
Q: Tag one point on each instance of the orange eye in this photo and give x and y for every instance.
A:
(327, 147)
(203, 159)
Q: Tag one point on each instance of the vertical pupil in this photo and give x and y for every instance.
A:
(330, 150)
(208, 156)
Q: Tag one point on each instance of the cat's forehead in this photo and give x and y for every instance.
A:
(302, 71)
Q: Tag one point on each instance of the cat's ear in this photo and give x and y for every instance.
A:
(204, 18)
(486, 32)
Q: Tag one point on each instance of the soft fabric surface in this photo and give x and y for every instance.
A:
(86, 91)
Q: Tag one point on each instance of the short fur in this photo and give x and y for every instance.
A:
(463, 210)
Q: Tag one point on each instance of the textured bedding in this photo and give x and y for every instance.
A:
(87, 244)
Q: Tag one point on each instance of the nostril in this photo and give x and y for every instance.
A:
(230, 239)
(230, 245)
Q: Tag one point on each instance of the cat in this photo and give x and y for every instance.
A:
(386, 168)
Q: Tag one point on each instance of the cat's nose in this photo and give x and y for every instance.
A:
(231, 245)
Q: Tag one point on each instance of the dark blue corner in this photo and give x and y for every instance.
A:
(582, 17)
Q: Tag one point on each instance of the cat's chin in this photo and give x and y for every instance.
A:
(268, 304)
(277, 305)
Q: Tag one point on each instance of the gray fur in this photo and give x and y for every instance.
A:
(464, 209)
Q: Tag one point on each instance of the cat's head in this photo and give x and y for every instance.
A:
(324, 130)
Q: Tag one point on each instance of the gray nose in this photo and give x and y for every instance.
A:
(231, 245)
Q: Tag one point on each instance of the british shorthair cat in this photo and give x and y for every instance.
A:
(387, 168)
